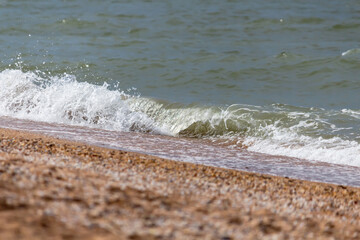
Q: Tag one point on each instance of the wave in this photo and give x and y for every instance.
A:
(61, 99)
(351, 52)
(307, 133)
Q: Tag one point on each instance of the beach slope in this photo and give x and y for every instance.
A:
(52, 188)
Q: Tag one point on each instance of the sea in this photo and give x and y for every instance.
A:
(262, 86)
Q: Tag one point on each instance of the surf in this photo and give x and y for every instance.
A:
(314, 134)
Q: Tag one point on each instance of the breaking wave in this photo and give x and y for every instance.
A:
(307, 133)
(62, 99)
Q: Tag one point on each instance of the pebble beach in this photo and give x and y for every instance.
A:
(179, 120)
(57, 189)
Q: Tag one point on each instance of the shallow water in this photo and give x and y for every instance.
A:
(278, 77)
(197, 151)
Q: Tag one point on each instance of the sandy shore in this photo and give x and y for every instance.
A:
(55, 189)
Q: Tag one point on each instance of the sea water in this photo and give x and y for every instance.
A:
(278, 78)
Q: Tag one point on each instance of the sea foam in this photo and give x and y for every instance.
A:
(307, 133)
(351, 52)
(62, 99)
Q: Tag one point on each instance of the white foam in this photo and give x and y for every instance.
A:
(62, 99)
(281, 130)
(352, 113)
(351, 52)
(286, 142)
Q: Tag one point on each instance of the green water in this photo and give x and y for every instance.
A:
(213, 52)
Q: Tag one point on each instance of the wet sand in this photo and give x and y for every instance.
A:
(56, 189)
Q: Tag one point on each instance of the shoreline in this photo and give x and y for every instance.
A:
(64, 189)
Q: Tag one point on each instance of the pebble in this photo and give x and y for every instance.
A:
(55, 187)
